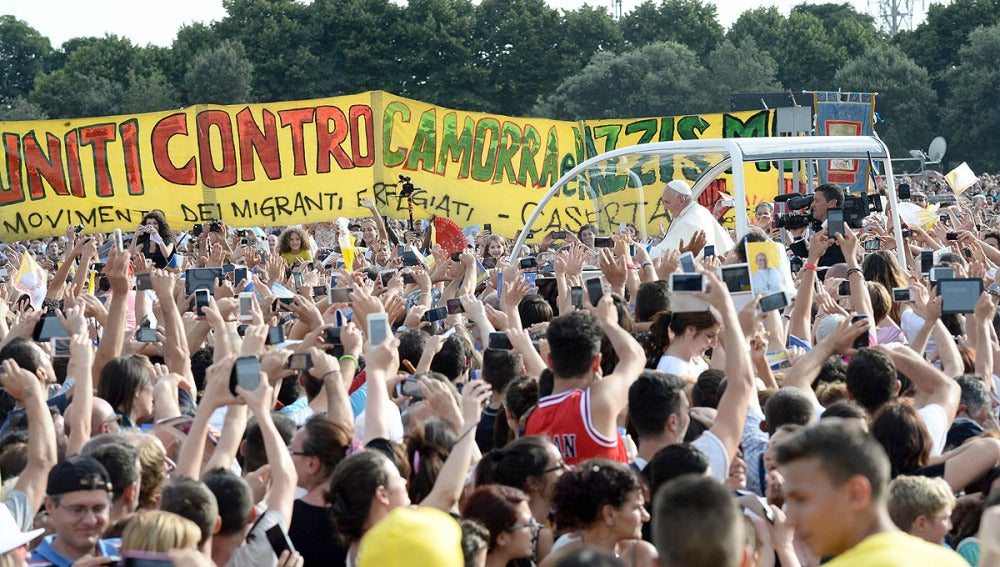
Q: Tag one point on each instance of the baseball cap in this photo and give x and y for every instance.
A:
(81, 472)
(11, 536)
(680, 186)
(413, 536)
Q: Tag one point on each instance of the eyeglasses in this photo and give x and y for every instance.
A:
(293, 453)
(560, 466)
(532, 523)
(79, 510)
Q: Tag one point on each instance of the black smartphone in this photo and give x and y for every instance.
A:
(456, 256)
(862, 341)
(926, 261)
(275, 335)
(409, 258)
(246, 374)
(907, 233)
(408, 279)
(945, 219)
(603, 242)
(528, 263)
(488, 228)
(279, 540)
(436, 314)
(708, 251)
(773, 301)
(903, 191)
(318, 291)
(576, 296)
(455, 306)
(197, 229)
(951, 236)
(902, 294)
(409, 388)
(300, 361)
(201, 278)
(834, 221)
(143, 282)
(200, 301)
(595, 290)
(144, 559)
(873, 245)
(799, 248)
(498, 340)
(560, 235)
(145, 335)
(240, 275)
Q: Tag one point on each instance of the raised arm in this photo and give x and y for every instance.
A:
(283, 475)
(81, 361)
(609, 396)
(217, 394)
(807, 367)
(934, 387)
(861, 301)
(800, 318)
(25, 388)
(382, 362)
(450, 481)
(176, 351)
(113, 336)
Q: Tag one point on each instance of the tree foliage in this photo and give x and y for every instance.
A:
(970, 116)
(24, 54)
(222, 75)
(906, 103)
(693, 23)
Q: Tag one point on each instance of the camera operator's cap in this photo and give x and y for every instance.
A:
(680, 186)
(413, 536)
(81, 472)
(11, 536)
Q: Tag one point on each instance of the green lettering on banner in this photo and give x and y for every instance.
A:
(424, 150)
(510, 143)
(666, 135)
(648, 129)
(455, 147)
(484, 171)
(393, 158)
(755, 127)
(528, 172)
(550, 164)
(691, 127)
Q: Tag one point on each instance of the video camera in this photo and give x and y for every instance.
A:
(408, 187)
(856, 208)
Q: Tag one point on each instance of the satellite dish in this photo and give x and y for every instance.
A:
(936, 150)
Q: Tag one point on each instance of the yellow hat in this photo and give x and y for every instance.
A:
(413, 536)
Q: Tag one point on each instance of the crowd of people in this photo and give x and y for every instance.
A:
(352, 393)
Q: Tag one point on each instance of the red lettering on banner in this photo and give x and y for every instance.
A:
(211, 177)
(163, 131)
(263, 143)
(294, 120)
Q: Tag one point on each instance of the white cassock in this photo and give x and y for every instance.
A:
(694, 217)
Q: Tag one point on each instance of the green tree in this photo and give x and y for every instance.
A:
(191, 40)
(517, 47)
(222, 75)
(67, 94)
(150, 93)
(660, 79)
(970, 118)
(20, 109)
(24, 54)
(738, 69)
(586, 32)
(905, 102)
(277, 40)
(693, 23)
(436, 54)
(936, 42)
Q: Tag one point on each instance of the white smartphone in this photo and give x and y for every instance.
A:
(378, 328)
(246, 306)
(117, 237)
(686, 283)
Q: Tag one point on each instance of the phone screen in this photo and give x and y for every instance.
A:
(275, 335)
(926, 261)
(200, 301)
(145, 335)
(49, 327)
(246, 374)
(341, 294)
(246, 306)
(436, 314)
(455, 306)
(773, 301)
(686, 282)
(60, 347)
(143, 282)
(960, 295)
(576, 295)
(279, 540)
(378, 328)
(499, 341)
(834, 221)
(300, 361)
(595, 290)
(862, 341)
(409, 387)
(736, 278)
(687, 263)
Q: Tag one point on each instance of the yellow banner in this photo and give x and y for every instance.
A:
(308, 161)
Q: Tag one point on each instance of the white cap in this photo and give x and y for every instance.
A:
(680, 186)
(11, 536)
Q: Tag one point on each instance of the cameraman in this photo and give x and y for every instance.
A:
(827, 196)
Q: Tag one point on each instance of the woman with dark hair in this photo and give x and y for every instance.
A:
(293, 245)
(602, 501)
(883, 267)
(154, 239)
(904, 436)
(366, 486)
(520, 397)
(127, 384)
(505, 513)
(533, 465)
(683, 339)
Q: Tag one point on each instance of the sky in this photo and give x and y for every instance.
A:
(157, 21)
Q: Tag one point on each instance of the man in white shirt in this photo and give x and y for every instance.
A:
(688, 217)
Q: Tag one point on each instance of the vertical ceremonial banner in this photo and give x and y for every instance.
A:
(844, 114)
